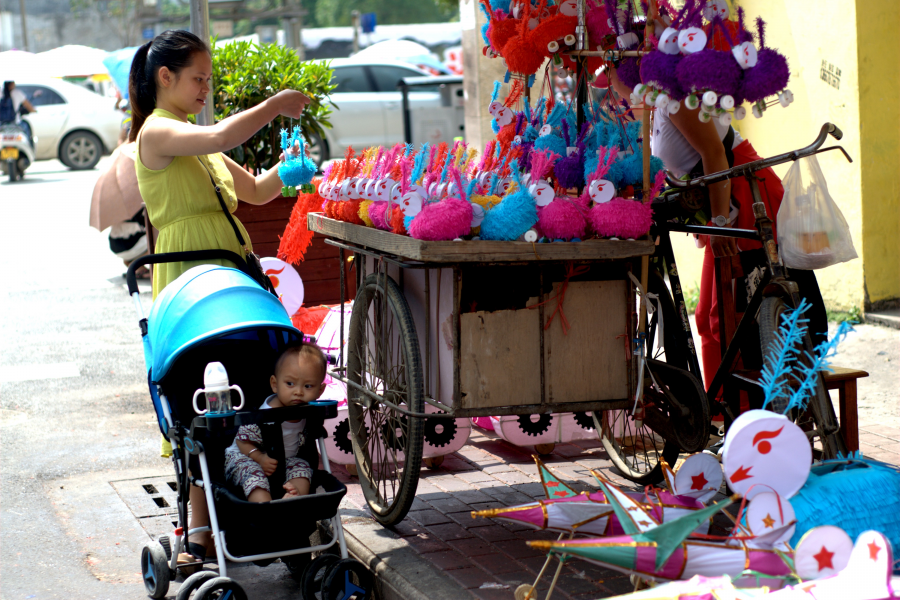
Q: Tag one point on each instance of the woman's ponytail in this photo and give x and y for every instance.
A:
(173, 49)
(141, 91)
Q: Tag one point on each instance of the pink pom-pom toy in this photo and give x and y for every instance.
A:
(563, 219)
(441, 221)
(621, 218)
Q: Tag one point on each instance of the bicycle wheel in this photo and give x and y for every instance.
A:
(672, 346)
(384, 360)
(634, 450)
(819, 416)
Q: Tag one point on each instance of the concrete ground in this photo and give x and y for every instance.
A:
(77, 431)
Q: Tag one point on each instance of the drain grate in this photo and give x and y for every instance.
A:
(152, 501)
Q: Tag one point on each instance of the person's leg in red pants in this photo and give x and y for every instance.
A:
(707, 316)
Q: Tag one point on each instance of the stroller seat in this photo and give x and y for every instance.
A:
(218, 314)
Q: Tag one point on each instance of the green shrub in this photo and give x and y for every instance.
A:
(245, 74)
(691, 297)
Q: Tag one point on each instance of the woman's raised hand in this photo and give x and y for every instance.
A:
(291, 103)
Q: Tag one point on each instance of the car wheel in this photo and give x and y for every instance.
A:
(81, 150)
(318, 149)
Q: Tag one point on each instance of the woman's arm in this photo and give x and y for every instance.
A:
(28, 106)
(254, 190)
(164, 139)
(704, 138)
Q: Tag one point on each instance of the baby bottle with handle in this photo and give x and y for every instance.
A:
(217, 392)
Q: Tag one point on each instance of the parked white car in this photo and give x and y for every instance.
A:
(71, 123)
(369, 105)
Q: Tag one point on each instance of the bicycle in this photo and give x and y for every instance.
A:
(679, 373)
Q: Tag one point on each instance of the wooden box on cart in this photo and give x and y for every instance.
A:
(478, 308)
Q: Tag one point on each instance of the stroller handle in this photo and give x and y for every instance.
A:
(170, 257)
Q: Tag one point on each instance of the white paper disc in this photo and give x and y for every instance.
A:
(287, 282)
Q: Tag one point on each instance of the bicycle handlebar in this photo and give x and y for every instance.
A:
(749, 168)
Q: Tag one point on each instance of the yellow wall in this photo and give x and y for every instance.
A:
(859, 41)
(877, 24)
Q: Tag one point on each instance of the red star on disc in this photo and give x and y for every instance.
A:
(698, 482)
(824, 558)
(873, 550)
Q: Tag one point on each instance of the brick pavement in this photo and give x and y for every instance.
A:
(484, 558)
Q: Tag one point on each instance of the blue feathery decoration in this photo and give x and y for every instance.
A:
(556, 115)
(295, 170)
(418, 164)
(855, 495)
(515, 215)
(782, 352)
(447, 164)
(409, 149)
(471, 188)
(808, 372)
(496, 91)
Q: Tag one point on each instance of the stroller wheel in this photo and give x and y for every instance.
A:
(155, 570)
(348, 578)
(220, 588)
(193, 583)
(314, 575)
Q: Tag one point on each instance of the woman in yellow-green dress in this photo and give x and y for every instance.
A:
(169, 80)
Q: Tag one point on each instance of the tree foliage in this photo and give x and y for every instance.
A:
(245, 74)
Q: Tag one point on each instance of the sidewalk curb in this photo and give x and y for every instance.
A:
(392, 561)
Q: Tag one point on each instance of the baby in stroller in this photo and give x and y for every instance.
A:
(299, 379)
(219, 321)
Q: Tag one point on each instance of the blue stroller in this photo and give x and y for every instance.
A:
(219, 314)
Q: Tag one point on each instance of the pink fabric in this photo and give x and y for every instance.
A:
(768, 563)
(483, 422)
(645, 561)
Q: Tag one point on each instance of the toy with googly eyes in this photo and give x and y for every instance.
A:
(515, 215)
(297, 169)
(767, 77)
(447, 219)
(711, 77)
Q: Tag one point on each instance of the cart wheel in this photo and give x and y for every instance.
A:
(526, 590)
(221, 588)
(816, 416)
(155, 570)
(584, 420)
(544, 449)
(314, 575)
(348, 578)
(193, 583)
(384, 359)
(352, 470)
(434, 462)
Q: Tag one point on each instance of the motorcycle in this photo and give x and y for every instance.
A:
(16, 153)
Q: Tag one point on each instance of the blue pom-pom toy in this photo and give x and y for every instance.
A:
(295, 170)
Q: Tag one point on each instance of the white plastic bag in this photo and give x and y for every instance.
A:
(812, 232)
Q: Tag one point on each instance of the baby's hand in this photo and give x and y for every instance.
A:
(268, 464)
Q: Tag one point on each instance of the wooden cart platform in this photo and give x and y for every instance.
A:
(476, 250)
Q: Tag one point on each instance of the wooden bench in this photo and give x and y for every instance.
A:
(844, 381)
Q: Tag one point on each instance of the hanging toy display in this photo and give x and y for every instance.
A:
(298, 169)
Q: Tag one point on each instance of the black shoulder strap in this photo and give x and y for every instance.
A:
(234, 226)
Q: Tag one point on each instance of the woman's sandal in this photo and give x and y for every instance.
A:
(196, 554)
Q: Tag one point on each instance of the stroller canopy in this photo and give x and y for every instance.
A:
(208, 302)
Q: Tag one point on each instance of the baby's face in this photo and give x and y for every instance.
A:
(299, 380)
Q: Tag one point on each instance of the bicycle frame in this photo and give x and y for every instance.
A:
(776, 280)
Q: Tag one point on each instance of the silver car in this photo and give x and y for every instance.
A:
(369, 107)
(71, 123)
